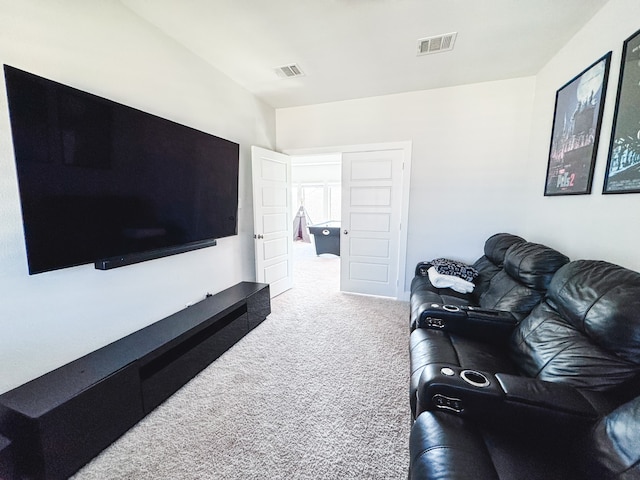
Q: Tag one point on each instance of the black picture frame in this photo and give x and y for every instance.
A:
(623, 165)
(576, 130)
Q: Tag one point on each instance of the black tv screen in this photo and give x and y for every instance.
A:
(104, 183)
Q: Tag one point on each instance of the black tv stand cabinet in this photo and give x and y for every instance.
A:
(53, 425)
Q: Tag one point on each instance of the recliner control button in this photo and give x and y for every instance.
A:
(447, 403)
(435, 322)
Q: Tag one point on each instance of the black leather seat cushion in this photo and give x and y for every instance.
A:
(445, 446)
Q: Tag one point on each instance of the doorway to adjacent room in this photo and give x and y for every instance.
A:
(369, 186)
(316, 190)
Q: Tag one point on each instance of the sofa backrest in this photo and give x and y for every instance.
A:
(587, 331)
(496, 246)
(522, 282)
(495, 249)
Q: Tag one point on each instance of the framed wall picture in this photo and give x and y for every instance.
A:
(576, 130)
(623, 166)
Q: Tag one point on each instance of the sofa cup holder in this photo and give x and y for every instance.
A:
(474, 378)
(451, 308)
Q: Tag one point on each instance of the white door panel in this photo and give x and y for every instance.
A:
(369, 273)
(373, 170)
(274, 169)
(274, 196)
(273, 227)
(276, 273)
(370, 222)
(275, 248)
(370, 196)
(370, 247)
(274, 222)
(371, 217)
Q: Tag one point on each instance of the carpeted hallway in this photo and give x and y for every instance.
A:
(318, 391)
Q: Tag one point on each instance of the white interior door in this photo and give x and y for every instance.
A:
(272, 223)
(371, 220)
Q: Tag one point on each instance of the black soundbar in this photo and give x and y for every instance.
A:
(131, 258)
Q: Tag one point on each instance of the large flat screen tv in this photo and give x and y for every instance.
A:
(104, 183)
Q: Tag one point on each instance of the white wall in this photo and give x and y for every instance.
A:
(584, 226)
(480, 155)
(49, 319)
(469, 157)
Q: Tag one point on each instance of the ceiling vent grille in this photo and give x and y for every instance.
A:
(440, 43)
(289, 71)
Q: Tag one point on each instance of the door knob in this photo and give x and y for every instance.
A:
(346, 232)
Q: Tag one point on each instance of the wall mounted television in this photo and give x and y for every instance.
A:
(104, 183)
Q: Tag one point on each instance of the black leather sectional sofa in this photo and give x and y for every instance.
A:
(533, 375)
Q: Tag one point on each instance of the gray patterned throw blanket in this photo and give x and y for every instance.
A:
(444, 266)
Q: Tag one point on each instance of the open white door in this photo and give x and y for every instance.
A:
(272, 223)
(371, 219)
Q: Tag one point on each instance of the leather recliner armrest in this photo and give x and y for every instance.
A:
(480, 323)
(457, 390)
(541, 402)
(422, 268)
(447, 447)
(505, 400)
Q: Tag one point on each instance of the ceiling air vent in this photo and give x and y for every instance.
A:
(441, 43)
(289, 71)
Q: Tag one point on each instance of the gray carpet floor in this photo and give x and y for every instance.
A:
(318, 391)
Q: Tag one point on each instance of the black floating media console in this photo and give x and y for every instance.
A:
(53, 425)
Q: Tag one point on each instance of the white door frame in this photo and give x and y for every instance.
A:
(402, 291)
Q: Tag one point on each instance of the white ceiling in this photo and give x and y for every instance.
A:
(362, 48)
